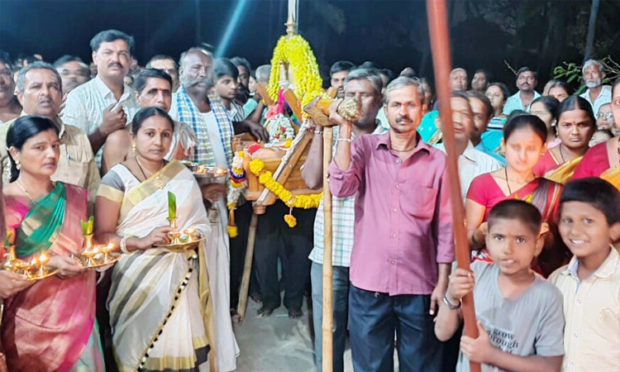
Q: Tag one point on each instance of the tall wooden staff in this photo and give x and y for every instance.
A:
(328, 320)
(438, 30)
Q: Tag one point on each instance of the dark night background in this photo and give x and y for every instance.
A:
(484, 33)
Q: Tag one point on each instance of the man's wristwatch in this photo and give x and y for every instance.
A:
(450, 305)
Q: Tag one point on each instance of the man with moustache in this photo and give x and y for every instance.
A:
(403, 244)
(39, 90)
(9, 106)
(471, 162)
(596, 94)
(73, 72)
(214, 133)
(167, 64)
(153, 87)
(105, 104)
(526, 82)
(365, 85)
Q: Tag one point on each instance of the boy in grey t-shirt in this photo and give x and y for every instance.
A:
(520, 315)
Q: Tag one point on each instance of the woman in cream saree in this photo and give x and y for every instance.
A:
(159, 301)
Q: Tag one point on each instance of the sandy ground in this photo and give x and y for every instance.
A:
(277, 343)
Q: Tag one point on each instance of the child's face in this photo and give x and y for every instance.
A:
(584, 229)
(226, 87)
(512, 245)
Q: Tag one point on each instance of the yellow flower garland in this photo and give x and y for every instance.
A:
(297, 53)
(293, 201)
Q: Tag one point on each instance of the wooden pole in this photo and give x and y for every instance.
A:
(440, 46)
(247, 268)
(591, 30)
(328, 319)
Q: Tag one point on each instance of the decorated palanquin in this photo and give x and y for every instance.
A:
(272, 170)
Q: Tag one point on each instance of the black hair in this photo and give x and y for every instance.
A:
(368, 64)
(341, 66)
(5, 58)
(485, 100)
(160, 57)
(577, 103)
(485, 72)
(31, 59)
(140, 81)
(525, 69)
(561, 84)
(68, 58)
(596, 192)
(520, 210)
(240, 61)
(501, 87)
(551, 104)
(146, 113)
(24, 128)
(525, 121)
(462, 95)
(223, 67)
(107, 36)
(615, 85)
(388, 73)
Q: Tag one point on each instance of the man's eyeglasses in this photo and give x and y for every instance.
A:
(605, 115)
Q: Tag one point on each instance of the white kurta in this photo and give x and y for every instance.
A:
(218, 259)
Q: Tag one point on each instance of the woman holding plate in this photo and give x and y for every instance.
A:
(50, 325)
(159, 302)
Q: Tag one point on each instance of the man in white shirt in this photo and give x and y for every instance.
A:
(526, 82)
(104, 104)
(471, 162)
(73, 72)
(597, 94)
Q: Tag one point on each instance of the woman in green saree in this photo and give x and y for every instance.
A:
(159, 301)
(49, 326)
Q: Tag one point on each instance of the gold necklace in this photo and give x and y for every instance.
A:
(157, 180)
(23, 188)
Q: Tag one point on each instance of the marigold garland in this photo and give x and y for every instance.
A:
(265, 178)
(237, 183)
(297, 53)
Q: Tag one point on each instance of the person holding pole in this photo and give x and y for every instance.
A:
(520, 319)
(365, 85)
(403, 236)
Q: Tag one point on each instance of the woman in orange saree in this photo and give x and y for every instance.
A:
(49, 326)
(576, 125)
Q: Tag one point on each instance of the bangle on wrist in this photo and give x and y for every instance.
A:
(340, 139)
(123, 244)
(318, 131)
(451, 306)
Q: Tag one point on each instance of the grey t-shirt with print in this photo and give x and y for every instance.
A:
(533, 324)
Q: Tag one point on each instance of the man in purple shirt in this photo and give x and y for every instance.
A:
(403, 244)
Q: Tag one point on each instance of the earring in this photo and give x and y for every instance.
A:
(17, 165)
(133, 147)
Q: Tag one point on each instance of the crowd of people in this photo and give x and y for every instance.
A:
(539, 176)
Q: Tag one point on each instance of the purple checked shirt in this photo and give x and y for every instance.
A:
(403, 220)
